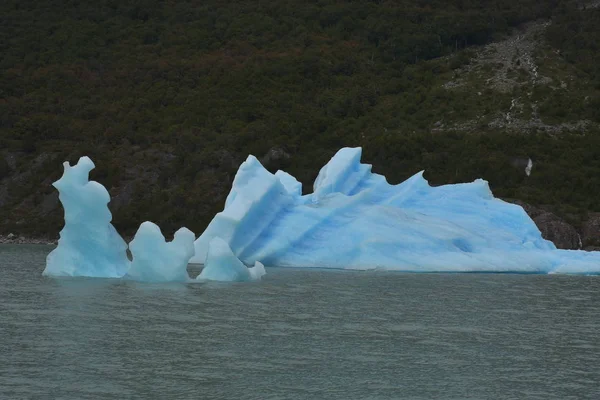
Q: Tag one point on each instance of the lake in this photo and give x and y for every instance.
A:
(298, 334)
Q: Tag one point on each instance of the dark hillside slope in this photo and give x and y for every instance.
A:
(169, 97)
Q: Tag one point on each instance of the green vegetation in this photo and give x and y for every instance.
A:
(575, 33)
(169, 97)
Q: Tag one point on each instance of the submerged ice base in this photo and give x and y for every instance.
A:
(222, 265)
(354, 219)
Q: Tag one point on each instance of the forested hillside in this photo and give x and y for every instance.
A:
(168, 97)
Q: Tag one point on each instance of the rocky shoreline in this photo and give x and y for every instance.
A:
(563, 234)
(11, 238)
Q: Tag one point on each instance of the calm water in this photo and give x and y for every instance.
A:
(297, 335)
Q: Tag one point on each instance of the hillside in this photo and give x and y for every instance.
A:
(169, 97)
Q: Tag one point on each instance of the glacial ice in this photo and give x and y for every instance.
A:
(155, 260)
(257, 271)
(355, 219)
(89, 245)
(222, 265)
(289, 183)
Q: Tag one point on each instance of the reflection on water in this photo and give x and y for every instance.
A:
(297, 335)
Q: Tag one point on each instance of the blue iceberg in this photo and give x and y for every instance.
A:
(89, 244)
(222, 265)
(155, 260)
(355, 219)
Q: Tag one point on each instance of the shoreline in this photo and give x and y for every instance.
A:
(15, 239)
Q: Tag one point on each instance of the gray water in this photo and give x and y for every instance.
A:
(297, 335)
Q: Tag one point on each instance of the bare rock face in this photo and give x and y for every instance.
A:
(553, 228)
(49, 203)
(275, 156)
(122, 195)
(590, 231)
(562, 234)
(529, 209)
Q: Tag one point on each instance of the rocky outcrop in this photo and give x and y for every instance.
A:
(590, 232)
(512, 67)
(552, 227)
(11, 238)
(275, 157)
(559, 232)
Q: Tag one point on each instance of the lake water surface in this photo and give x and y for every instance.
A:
(298, 334)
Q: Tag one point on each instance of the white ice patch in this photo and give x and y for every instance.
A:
(222, 265)
(528, 167)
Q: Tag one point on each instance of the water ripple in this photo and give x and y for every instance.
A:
(298, 335)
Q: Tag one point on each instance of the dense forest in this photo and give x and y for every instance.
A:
(168, 97)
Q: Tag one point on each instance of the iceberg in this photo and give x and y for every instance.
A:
(155, 260)
(222, 265)
(355, 219)
(89, 245)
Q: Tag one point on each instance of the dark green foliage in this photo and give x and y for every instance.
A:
(4, 168)
(555, 179)
(169, 97)
(575, 32)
